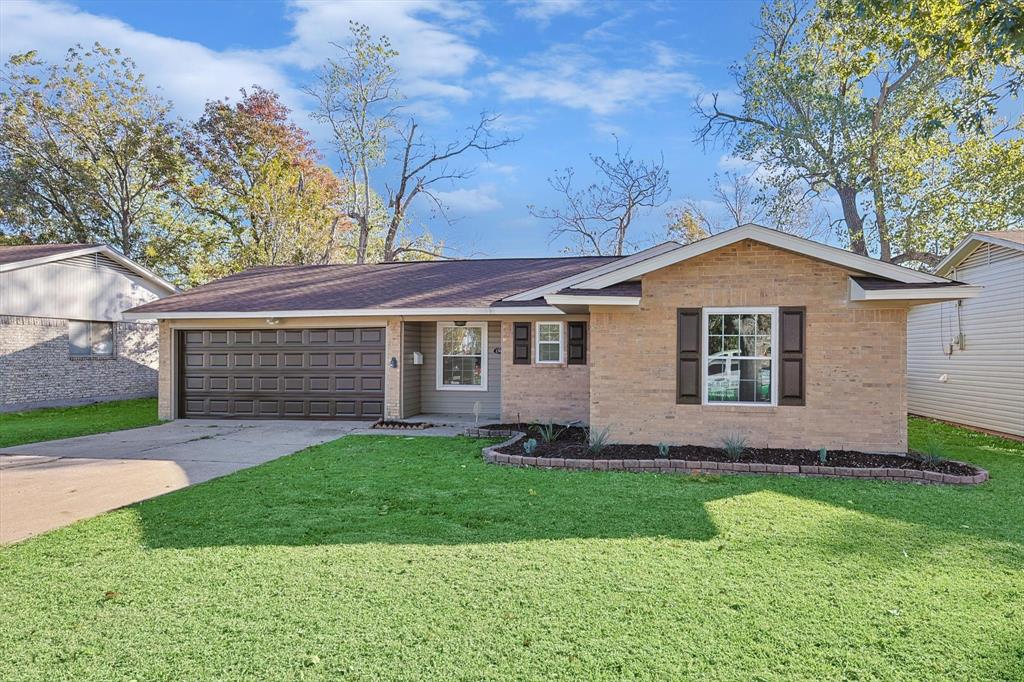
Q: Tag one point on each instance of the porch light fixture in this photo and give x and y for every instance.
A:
(460, 323)
(273, 321)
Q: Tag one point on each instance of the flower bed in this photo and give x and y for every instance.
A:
(570, 451)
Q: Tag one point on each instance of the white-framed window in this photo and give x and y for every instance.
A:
(88, 339)
(740, 356)
(462, 356)
(550, 343)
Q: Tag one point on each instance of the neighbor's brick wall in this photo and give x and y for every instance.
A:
(855, 362)
(541, 392)
(36, 369)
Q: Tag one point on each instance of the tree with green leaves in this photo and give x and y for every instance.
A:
(259, 181)
(386, 161)
(87, 152)
(866, 104)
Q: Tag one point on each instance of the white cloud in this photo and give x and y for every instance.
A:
(187, 73)
(476, 200)
(542, 11)
(430, 50)
(570, 77)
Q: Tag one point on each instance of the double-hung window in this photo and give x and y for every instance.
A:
(740, 356)
(462, 356)
(90, 339)
(550, 343)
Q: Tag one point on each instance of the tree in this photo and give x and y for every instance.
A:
(357, 98)
(258, 179)
(87, 152)
(597, 218)
(841, 98)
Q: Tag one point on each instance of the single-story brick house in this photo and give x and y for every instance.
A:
(752, 331)
(63, 340)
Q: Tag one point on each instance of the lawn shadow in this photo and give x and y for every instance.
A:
(376, 489)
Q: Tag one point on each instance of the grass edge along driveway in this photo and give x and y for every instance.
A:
(53, 423)
(409, 558)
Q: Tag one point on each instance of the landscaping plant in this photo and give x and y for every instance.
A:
(549, 432)
(529, 446)
(734, 444)
(597, 440)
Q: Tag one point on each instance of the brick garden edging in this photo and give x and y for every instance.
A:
(679, 466)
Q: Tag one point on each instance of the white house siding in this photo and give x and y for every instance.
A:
(90, 287)
(985, 382)
(36, 367)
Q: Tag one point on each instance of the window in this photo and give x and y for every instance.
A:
(739, 352)
(549, 342)
(91, 339)
(462, 356)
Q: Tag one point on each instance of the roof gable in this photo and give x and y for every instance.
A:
(829, 254)
(31, 255)
(1011, 239)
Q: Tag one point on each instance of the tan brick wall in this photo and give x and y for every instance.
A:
(393, 375)
(855, 363)
(541, 392)
(165, 388)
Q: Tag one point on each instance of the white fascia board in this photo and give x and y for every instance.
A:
(568, 299)
(967, 246)
(566, 282)
(954, 293)
(349, 312)
(139, 270)
(788, 242)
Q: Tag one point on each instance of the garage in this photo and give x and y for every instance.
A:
(281, 373)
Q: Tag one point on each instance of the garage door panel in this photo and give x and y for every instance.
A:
(283, 373)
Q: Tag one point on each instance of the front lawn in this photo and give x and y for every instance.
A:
(379, 557)
(18, 428)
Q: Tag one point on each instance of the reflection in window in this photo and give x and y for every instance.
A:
(462, 357)
(90, 339)
(739, 357)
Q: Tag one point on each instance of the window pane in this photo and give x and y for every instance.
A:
(764, 324)
(462, 341)
(714, 324)
(748, 325)
(549, 332)
(102, 338)
(461, 371)
(714, 345)
(747, 345)
(730, 343)
(732, 323)
(763, 346)
(723, 381)
(548, 352)
(78, 338)
(755, 381)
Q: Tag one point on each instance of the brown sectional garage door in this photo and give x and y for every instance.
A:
(282, 373)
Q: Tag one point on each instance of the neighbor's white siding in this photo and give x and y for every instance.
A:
(91, 287)
(985, 382)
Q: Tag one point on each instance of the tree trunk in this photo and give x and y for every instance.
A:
(885, 248)
(854, 222)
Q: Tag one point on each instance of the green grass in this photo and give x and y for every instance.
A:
(409, 558)
(18, 428)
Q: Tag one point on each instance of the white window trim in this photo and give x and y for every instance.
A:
(774, 312)
(561, 343)
(439, 358)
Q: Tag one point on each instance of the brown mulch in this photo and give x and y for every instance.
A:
(572, 444)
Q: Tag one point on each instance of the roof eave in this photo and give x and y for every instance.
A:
(139, 270)
(966, 247)
(923, 295)
(489, 311)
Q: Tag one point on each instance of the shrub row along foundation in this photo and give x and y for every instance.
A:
(678, 466)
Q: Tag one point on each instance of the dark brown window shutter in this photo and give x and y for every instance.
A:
(688, 345)
(520, 343)
(577, 343)
(792, 351)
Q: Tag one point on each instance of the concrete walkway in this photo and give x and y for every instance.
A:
(52, 484)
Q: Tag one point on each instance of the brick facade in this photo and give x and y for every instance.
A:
(541, 392)
(37, 370)
(855, 362)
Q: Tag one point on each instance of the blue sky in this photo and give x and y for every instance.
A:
(565, 75)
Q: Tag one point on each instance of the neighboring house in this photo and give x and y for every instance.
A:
(751, 331)
(63, 340)
(965, 359)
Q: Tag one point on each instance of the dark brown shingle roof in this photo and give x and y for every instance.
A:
(425, 284)
(879, 284)
(16, 254)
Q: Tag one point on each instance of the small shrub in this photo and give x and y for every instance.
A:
(529, 446)
(662, 449)
(598, 440)
(734, 444)
(934, 451)
(549, 432)
(822, 456)
(477, 407)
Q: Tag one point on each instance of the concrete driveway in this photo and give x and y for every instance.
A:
(48, 485)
